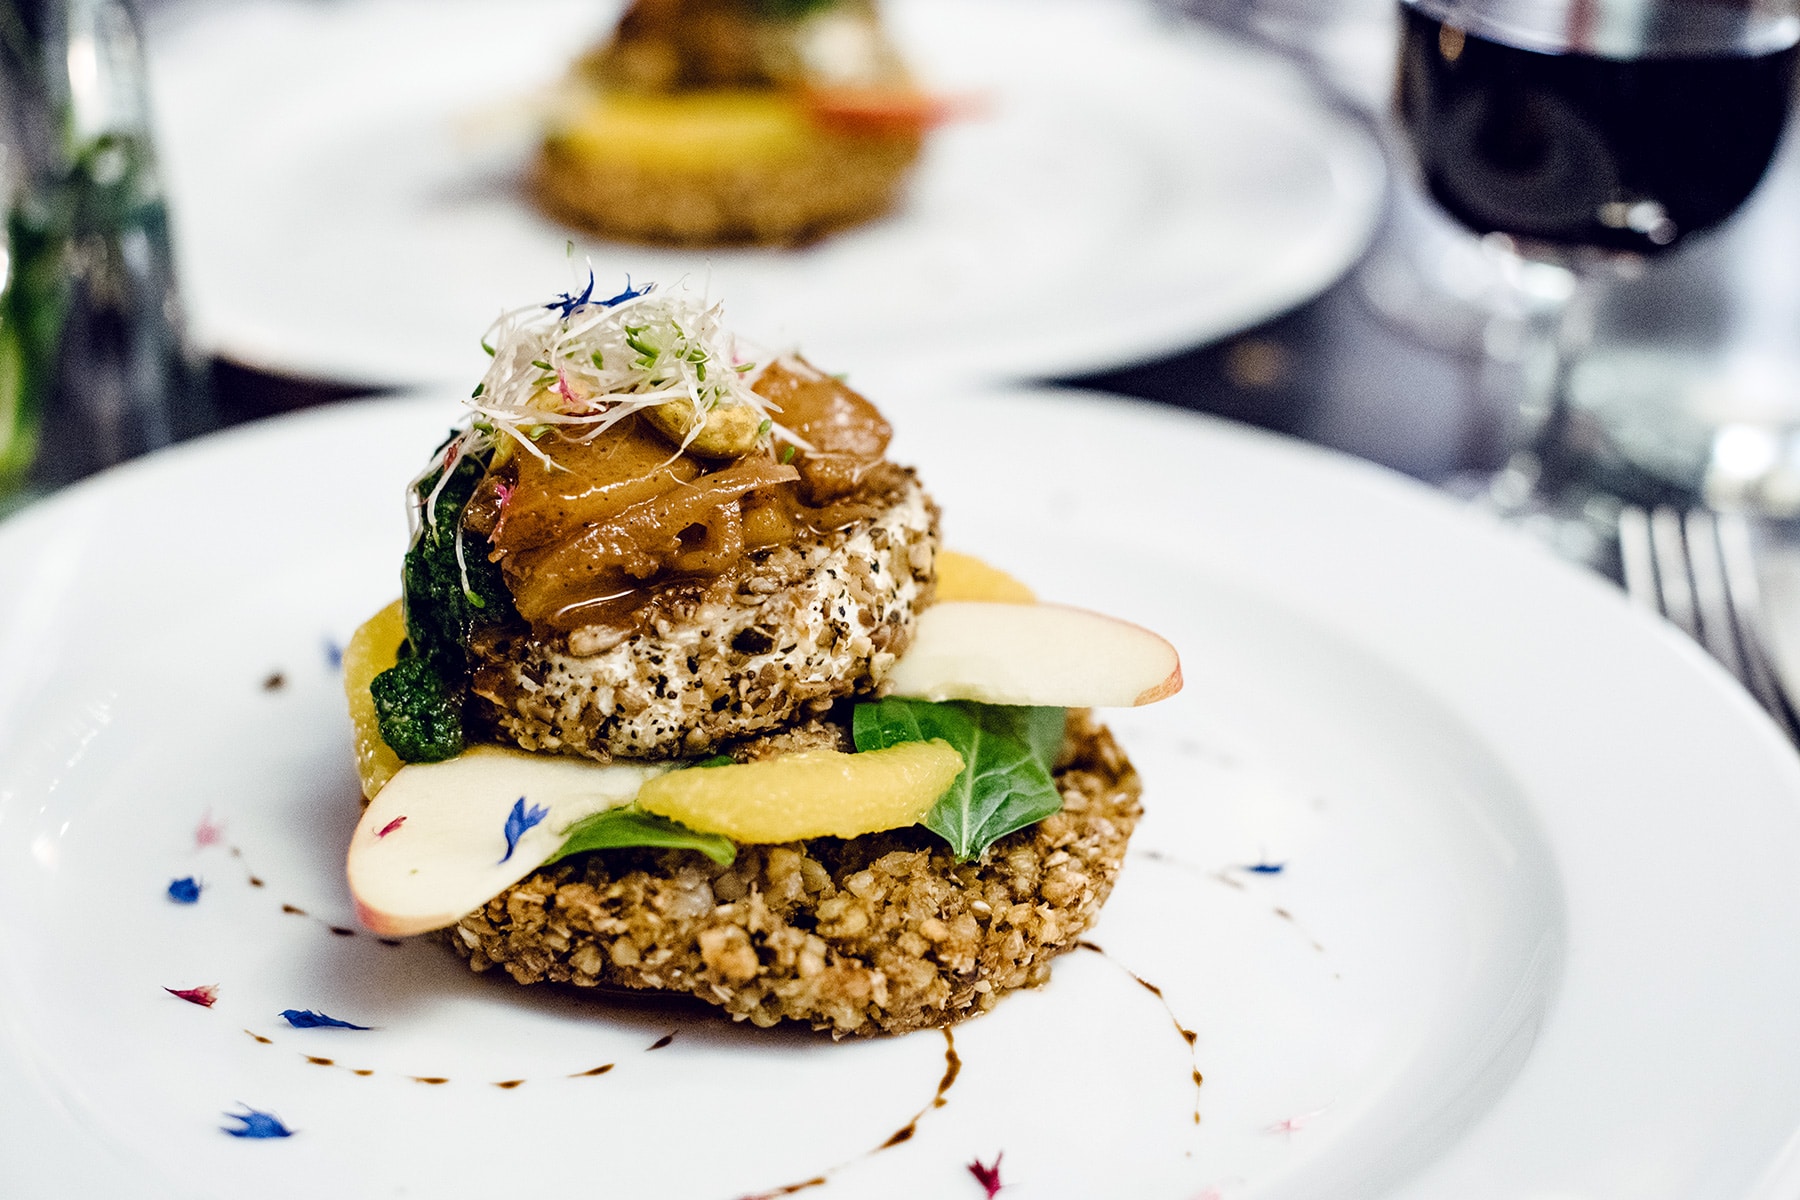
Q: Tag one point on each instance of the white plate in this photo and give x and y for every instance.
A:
(342, 179)
(1540, 922)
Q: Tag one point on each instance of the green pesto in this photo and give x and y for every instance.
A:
(427, 690)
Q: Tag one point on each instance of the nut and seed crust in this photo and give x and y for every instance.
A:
(878, 934)
(798, 627)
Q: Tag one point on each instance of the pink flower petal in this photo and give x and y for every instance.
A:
(209, 832)
(988, 1176)
(206, 995)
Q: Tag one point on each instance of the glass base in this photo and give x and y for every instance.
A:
(1680, 427)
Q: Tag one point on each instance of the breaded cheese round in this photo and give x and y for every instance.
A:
(797, 628)
(879, 934)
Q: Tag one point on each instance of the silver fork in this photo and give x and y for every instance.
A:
(1697, 569)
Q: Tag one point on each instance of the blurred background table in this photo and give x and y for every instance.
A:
(1338, 371)
(1386, 364)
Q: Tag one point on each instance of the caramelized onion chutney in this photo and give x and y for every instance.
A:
(589, 539)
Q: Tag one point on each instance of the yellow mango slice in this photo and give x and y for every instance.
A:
(816, 793)
(705, 129)
(373, 649)
(965, 577)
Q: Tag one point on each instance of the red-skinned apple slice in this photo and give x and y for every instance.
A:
(432, 846)
(1034, 654)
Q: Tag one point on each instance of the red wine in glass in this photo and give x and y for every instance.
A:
(1623, 125)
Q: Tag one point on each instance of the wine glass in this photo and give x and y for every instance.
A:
(1587, 136)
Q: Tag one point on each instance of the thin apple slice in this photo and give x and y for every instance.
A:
(433, 846)
(1033, 654)
(815, 793)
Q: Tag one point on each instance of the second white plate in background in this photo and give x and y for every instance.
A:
(343, 181)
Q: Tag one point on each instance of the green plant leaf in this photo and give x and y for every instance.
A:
(621, 828)
(1040, 729)
(793, 9)
(1005, 783)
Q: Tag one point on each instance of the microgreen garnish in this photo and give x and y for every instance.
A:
(787, 454)
(253, 1124)
(476, 394)
(583, 365)
(184, 891)
(518, 821)
(306, 1018)
(206, 995)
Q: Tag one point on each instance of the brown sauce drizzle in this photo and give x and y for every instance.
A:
(294, 910)
(1236, 885)
(1287, 916)
(902, 1135)
(506, 1084)
(1187, 1035)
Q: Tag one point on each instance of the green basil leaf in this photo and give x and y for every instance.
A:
(622, 828)
(1005, 782)
(1041, 729)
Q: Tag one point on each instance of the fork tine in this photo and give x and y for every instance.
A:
(1636, 559)
(1738, 562)
(1669, 553)
(1719, 633)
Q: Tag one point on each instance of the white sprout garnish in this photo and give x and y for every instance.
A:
(584, 366)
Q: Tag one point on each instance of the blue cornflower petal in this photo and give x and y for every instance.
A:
(301, 1018)
(256, 1125)
(185, 891)
(568, 302)
(630, 293)
(1265, 868)
(518, 821)
(334, 654)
